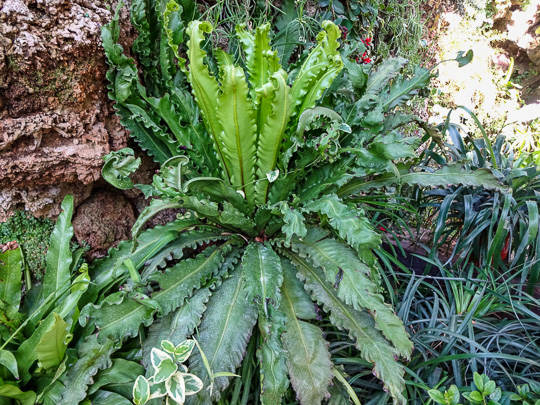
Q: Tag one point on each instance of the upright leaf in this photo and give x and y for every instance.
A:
(59, 254)
(273, 118)
(10, 276)
(205, 87)
(236, 117)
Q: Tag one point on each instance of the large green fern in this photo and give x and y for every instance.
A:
(266, 238)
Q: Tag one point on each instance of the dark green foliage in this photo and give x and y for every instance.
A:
(32, 234)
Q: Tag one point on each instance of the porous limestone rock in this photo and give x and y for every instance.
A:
(56, 121)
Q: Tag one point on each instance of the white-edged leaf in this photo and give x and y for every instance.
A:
(141, 390)
(165, 370)
(183, 350)
(157, 356)
(176, 388)
(194, 384)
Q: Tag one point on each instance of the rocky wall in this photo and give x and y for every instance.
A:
(56, 121)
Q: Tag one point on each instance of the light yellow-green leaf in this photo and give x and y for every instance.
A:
(52, 346)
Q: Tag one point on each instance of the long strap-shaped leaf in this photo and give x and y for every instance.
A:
(10, 277)
(318, 70)
(373, 346)
(59, 255)
(308, 358)
(119, 316)
(274, 112)
(354, 286)
(236, 117)
(224, 332)
(205, 87)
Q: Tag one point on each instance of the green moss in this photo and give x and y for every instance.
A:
(33, 235)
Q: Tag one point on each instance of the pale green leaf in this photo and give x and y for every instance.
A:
(7, 359)
(52, 346)
(236, 117)
(121, 372)
(12, 391)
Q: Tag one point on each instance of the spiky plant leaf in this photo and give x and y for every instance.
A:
(308, 359)
(224, 332)
(371, 343)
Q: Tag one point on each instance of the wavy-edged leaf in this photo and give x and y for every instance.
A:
(261, 61)
(10, 277)
(351, 223)
(205, 87)
(178, 282)
(371, 343)
(118, 316)
(93, 356)
(51, 348)
(272, 356)
(308, 359)
(224, 332)
(354, 286)
(102, 397)
(177, 326)
(273, 118)
(59, 255)
(119, 165)
(111, 270)
(145, 137)
(319, 69)
(121, 372)
(262, 275)
(228, 216)
(383, 74)
(236, 117)
(155, 207)
(175, 249)
(401, 90)
(446, 176)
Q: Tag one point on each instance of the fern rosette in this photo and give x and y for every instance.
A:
(268, 237)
